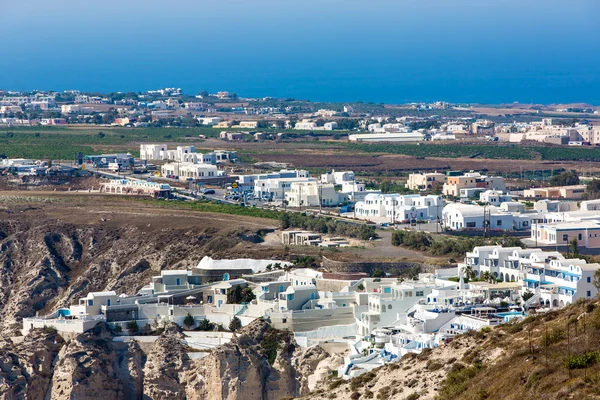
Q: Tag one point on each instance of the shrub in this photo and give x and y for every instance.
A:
(49, 330)
(554, 336)
(582, 361)
(413, 396)
(132, 326)
(355, 396)
(188, 321)
(205, 325)
(457, 380)
(271, 342)
(117, 328)
(335, 384)
(361, 380)
(235, 324)
(434, 365)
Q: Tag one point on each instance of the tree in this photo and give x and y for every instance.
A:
(566, 178)
(284, 220)
(378, 273)
(468, 272)
(596, 280)
(235, 324)
(361, 287)
(188, 321)
(263, 124)
(592, 190)
(527, 295)
(574, 248)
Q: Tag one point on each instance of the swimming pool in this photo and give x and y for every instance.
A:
(507, 316)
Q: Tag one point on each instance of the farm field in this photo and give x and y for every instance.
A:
(316, 155)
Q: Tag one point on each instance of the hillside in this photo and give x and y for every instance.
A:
(548, 356)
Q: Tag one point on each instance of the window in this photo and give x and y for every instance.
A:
(470, 224)
(499, 222)
(90, 302)
(589, 279)
(281, 289)
(589, 293)
(290, 297)
(408, 294)
(565, 237)
(579, 236)
(419, 294)
(265, 289)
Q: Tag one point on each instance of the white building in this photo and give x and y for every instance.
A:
(470, 216)
(387, 137)
(338, 178)
(494, 197)
(395, 208)
(313, 194)
(276, 188)
(190, 170)
(554, 280)
(305, 125)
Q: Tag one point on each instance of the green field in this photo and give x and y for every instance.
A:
(65, 142)
(489, 151)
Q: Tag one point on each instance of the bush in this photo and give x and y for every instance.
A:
(361, 380)
(132, 326)
(582, 361)
(553, 336)
(457, 380)
(205, 325)
(49, 330)
(117, 328)
(235, 324)
(336, 383)
(188, 321)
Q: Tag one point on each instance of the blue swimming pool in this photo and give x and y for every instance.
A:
(508, 315)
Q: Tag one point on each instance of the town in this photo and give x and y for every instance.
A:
(503, 248)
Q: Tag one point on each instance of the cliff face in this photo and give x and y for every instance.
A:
(26, 368)
(260, 363)
(241, 368)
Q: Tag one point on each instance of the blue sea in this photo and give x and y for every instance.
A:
(393, 51)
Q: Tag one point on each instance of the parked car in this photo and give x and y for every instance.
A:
(210, 191)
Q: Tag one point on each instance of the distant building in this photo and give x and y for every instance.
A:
(425, 181)
(574, 192)
(454, 184)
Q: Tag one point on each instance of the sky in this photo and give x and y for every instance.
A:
(393, 51)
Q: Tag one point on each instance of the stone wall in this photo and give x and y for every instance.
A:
(394, 267)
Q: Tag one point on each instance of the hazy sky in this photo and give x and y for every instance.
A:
(377, 50)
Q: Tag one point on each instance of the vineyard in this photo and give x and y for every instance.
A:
(491, 151)
(65, 142)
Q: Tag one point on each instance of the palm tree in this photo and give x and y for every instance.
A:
(468, 272)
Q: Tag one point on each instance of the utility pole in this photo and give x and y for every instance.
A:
(320, 198)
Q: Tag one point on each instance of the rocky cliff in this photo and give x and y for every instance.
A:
(259, 363)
